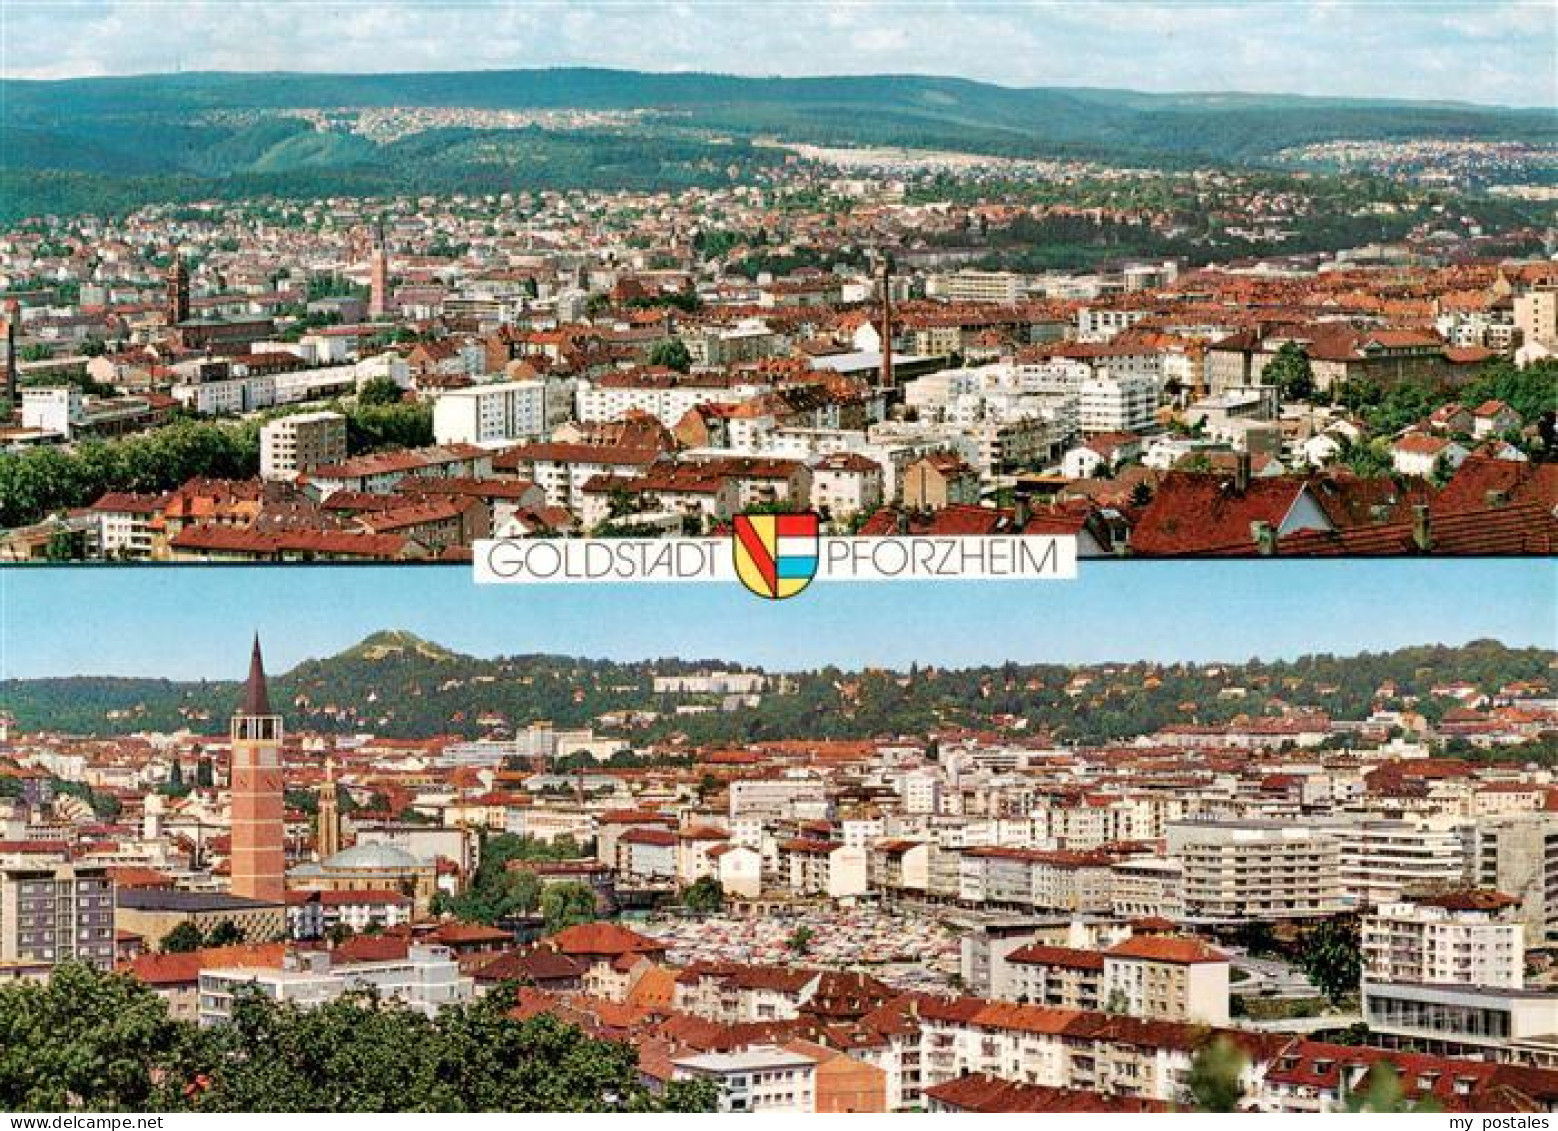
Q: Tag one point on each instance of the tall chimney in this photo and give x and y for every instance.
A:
(885, 270)
(1422, 529)
(1241, 474)
(13, 321)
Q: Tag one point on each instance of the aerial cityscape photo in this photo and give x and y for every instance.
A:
(312, 317)
(797, 558)
(1174, 837)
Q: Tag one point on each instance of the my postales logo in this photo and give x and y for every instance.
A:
(776, 554)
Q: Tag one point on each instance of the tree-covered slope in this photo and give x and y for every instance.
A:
(394, 683)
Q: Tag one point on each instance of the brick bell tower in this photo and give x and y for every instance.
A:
(258, 861)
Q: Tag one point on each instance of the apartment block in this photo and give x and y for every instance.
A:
(1242, 870)
(53, 911)
(295, 445)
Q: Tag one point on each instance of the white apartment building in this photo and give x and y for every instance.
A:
(846, 484)
(1383, 859)
(1536, 315)
(426, 980)
(761, 1078)
(978, 286)
(227, 396)
(774, 797)
(1118, 403)
(1167, 979)
(1239, 870)
(57, 411)
(1095, 325)
(666, 399)
(1461, 938)
(495, 415)
(295, 445)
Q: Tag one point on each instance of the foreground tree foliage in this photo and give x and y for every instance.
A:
(87, 1040)
(1214, 1076)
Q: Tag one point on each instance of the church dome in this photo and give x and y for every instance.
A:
(371, 858)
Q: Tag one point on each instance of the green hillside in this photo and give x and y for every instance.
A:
(397, 684)
(113, 143)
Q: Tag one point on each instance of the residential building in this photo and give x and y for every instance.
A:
(295, 445)
(53, 910)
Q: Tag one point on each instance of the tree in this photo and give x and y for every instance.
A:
(800, 939)
(566, 905)
(379, 391)
(183, 938)
(1289, 370)
(225, 933)
(1214, 1076)
(704, 896)
(1332, 959)
(205, 773)
(65, 545)
(94, 1041)
(85, 1039)
(673, 354)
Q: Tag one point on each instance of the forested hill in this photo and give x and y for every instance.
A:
(871, 107)
(395, 684)
(111, 143)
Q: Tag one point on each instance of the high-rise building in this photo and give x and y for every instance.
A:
(1511, 853)
(1241, 870)
(500, 414)
(258, 861)
(54, 911)
(178, 291)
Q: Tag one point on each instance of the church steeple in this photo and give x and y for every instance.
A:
(256, 694)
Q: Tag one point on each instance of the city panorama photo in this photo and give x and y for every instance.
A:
(1154, 841)
(298, 282)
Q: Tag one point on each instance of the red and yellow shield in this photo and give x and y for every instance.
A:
(776, 554)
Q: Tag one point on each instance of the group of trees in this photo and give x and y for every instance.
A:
(498, 892)
(186, 936)
(407, 694)
(92, 1041)
(47, 480)
(1386, 409)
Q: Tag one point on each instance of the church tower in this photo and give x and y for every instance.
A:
(258, 858)
(327, 841)
(178, 291)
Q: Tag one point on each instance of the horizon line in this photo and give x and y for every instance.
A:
(1387, 100)
(496, 657)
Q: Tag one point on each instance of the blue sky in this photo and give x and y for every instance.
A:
(1496, 51)
(194, 623)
